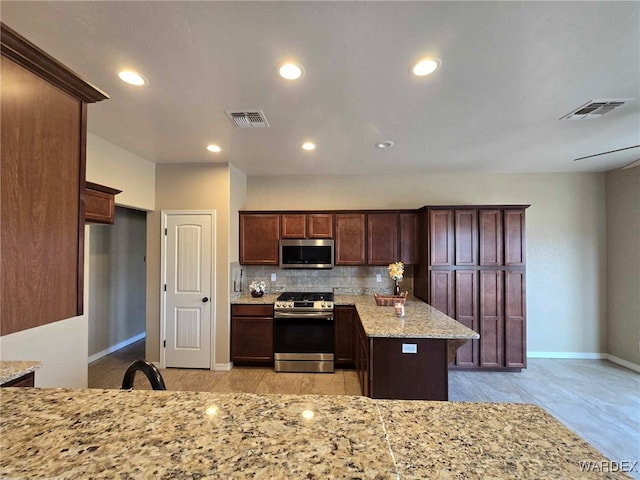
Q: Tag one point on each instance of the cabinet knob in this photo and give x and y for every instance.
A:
(205, 299)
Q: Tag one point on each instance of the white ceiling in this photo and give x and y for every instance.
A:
(509, 71)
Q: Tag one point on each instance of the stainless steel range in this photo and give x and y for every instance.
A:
(303, 332)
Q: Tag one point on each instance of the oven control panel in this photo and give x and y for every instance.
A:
(321, 305)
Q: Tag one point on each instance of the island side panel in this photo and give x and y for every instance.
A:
(422, 375)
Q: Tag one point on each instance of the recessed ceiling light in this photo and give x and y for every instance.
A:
(132, 78)
(308, 146)
(291, 71)
(385, 144)
(214, 148)
(426, 66)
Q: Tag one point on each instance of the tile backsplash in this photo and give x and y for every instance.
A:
(341, 280)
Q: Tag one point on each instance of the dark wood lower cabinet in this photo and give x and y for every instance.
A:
(344, 336)
(361, 355)
(27, 380)
(515, 320)
(252, 335)
(491, 319)
(409, 369)
(466, 300)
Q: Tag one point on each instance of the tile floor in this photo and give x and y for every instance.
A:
(598, 400)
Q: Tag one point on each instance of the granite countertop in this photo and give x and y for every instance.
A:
(10, 370)
(421, 320)
(69, 434)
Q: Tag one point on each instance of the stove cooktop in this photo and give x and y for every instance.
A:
(306, 297)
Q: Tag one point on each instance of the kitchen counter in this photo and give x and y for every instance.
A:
(421, 320)
(69, 434)
(10, 370)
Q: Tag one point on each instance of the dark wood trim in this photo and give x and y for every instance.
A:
(27, 55)
(102, 188)
(81, 205)
(474, 207)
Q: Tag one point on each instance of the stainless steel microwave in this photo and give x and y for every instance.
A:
(306, 253)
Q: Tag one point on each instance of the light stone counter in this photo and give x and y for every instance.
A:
(421, 320)
(10, 370)
(70, 434)
(267, 298)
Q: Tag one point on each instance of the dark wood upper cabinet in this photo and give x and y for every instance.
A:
(259, 239)
(441, 237)
(43, 144)
(466, 237)
(293, 225)
(442, 294)
(100, 206)
(382, 238)
(350, 239)
(409, 238)
(490, 238)
(311, 225)
(320, 225)
(514, 238)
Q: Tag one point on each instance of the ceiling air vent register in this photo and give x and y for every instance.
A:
(595, 109)
(248, 118)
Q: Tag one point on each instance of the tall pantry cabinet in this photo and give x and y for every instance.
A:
(472, 267)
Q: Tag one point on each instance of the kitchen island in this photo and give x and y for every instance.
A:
(404, 358)
(70, 434)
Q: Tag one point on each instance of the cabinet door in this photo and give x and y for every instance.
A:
(514, 320)
(409, 238)
(350, 235)
(441, 291)
(441, 237)
(344, 344)
(293, 225)
(491, 319)
(382, 238)
(259, 236)
(490, 238)
(252, 340)
(514, 238)
(320, 225)
(466, 234)
(467, 314)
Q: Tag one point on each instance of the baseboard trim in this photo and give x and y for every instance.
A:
(623, 363)
(223, 367)
(575, 355)
(104, 353)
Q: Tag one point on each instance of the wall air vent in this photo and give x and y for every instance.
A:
(595, 109)
(250, 118)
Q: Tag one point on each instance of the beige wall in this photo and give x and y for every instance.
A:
(190, 187)
(238, 194)
(566, 281)
(623, 264)
(110, 165)
(117, 295)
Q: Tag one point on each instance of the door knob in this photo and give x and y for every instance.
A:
(205, 299)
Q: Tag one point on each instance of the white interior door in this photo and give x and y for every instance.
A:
(188, 296)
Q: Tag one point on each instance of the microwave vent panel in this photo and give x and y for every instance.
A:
(249, 118)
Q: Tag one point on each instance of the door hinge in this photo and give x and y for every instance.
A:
(166, 231)
(164, 344)
(165, 287)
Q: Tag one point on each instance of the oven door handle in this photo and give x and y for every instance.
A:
(304, 315)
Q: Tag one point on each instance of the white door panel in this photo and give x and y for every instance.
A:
(188, 310)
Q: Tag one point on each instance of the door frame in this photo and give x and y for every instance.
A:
(163, 280)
